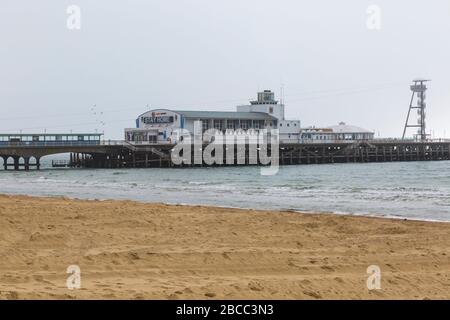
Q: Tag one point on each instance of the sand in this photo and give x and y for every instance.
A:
(131, 250)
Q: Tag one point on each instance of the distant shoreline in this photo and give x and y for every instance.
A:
(337, 213)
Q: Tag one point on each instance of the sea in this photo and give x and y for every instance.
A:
(405, 190)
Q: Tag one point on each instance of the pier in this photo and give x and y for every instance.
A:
(95, 153)
(308, 153)
(154, 139)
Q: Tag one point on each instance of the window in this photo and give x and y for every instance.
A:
(270, 109)
(205, 125)
(218, 124)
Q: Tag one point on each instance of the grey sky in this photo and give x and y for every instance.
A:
(212, 55)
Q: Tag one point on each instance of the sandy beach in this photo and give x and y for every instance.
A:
(131, 250)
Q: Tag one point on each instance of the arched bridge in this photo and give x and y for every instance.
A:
(24, 151)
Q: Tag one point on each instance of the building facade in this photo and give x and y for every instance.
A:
(339, 133)
(162, 125)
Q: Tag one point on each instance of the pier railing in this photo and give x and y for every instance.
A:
(396, 140)
(133, 144)
(9, 144)
(47, 143)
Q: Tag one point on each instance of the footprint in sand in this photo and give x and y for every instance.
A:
(340, 280)
(172, 296)
(226, 256)
(255, 286)
(313, 294)
(327, 268)
(210, 294)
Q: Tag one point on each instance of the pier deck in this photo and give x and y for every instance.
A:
(119, 154)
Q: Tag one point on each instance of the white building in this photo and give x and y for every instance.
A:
(161, 125)
(340, 133)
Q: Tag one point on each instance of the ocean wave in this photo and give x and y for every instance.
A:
(388, 190)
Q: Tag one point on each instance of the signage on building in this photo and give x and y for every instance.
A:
(157, 119)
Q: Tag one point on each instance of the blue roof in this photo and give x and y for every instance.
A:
(225, 115)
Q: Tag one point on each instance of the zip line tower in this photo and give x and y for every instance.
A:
(418, 89)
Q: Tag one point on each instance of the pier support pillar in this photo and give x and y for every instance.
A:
(26, 163)
(38, 163)
(5, 162)
(16, 163)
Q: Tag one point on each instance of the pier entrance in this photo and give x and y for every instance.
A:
(24, 151)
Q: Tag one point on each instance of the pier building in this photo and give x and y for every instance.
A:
(162, 125)
(339, 133)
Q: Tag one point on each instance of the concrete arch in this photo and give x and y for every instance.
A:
(18, 162)
(24, 162)
(7, 158)
(34, 159)
(7, 162)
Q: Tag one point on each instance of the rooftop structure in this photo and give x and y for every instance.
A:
(265, 97)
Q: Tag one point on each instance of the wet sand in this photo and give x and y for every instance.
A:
(131, 250)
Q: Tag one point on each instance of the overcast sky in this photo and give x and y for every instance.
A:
(213, 55)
